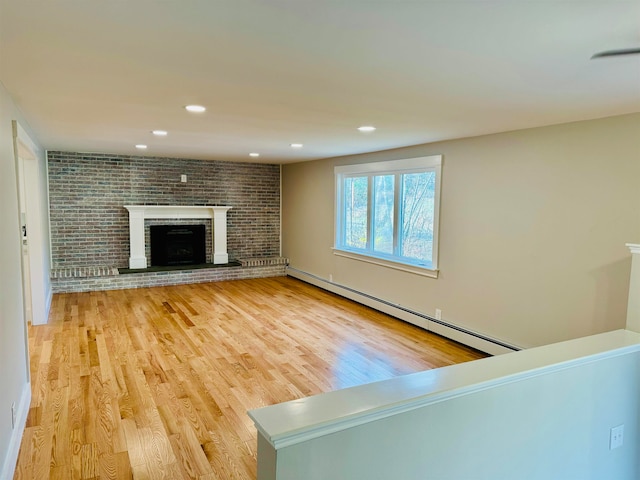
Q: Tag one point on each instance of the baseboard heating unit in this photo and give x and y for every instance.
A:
(463, 335)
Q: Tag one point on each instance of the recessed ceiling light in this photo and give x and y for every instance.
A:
(254, 154)
(296, 145)
(141, 147)
(366, 128)
(195, 108)
(160, 133)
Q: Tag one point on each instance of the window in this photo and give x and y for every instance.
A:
(387, 212)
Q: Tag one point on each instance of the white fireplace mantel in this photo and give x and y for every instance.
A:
(633, 307)
(139, 213)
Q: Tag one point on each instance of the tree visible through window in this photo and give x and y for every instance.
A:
(389, 210)
(383, 188)
(418, 197)
(355, 215)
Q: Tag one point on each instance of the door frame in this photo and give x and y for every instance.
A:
(31, 191)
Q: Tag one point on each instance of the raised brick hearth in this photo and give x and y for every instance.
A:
(87, 279)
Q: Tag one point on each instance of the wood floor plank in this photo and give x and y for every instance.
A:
(155, 383)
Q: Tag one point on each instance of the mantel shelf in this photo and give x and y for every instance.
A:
(634, 248)
(177, 211)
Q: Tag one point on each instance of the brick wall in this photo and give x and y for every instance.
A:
(90, 226)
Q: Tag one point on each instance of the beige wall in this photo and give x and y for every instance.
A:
(532, 234)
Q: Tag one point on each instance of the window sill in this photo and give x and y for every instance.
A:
(405, 267)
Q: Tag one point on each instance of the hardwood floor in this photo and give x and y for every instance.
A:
(155, 383)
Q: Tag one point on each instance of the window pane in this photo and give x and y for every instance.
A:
(383, 187)
(418, 193)
(355, 212)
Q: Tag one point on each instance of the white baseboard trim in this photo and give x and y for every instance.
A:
(467, 337)
(11, 457)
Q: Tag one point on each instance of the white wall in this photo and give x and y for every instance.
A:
(14, 386)
(532, 234)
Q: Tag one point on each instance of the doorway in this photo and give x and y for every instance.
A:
(35, 267)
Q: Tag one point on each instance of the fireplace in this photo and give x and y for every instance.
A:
(139, 213)
(177, 245)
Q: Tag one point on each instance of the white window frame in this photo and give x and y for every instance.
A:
(432, 163)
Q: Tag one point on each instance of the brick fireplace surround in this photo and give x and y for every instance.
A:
(90, 224)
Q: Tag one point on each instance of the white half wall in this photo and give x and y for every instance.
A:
(540, 414)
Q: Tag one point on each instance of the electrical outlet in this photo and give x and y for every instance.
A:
(438, 314)
(13, 415)
(330, 277)
(183, 178)
(616, 438)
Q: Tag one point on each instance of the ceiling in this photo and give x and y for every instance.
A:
(98, 75)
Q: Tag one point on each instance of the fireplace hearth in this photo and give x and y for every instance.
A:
(173, 245)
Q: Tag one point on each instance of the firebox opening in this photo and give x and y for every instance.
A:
(177, 245)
